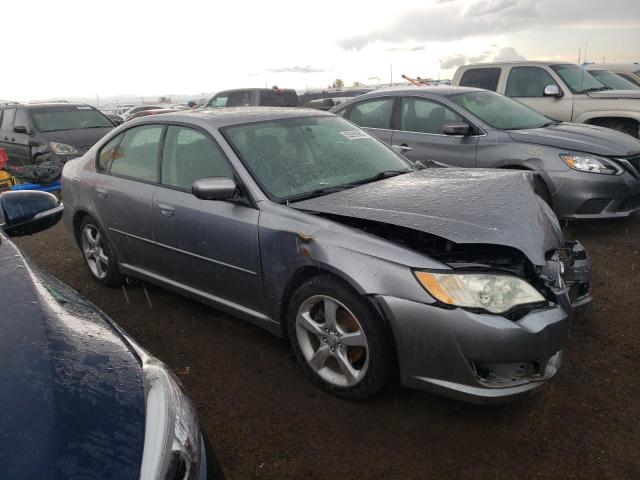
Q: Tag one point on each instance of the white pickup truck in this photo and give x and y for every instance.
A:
(561, 91)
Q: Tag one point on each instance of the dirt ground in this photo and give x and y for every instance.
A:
(267, 421)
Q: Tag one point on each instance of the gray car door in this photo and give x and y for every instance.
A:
(420, 134)
(374, 115)
(127, 171)
(208, 245)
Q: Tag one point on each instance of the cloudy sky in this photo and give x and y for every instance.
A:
(64, 48)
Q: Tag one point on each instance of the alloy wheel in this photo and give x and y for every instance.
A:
(94, 253)
(332, 341)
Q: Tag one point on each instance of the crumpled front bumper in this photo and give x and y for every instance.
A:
(577, 273)
(478, 358)
(484, 358)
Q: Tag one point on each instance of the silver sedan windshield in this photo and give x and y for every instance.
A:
(297, 157)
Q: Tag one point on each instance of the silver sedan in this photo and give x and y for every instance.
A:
(304, 224)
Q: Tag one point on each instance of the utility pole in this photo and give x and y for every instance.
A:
(391, 74)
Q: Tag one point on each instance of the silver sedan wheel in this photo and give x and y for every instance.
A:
(94, 254)
(332, 341)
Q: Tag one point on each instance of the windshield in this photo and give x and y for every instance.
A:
(611, 80)
(499, 111)
(69, 118)
(299, 157)
(578, 79)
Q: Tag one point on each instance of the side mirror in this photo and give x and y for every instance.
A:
(21, 129)
(552, 91)
(456, 128)
(214, 188)
(28, 212)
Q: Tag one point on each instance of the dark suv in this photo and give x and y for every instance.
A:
(33, 133)
(246, 97)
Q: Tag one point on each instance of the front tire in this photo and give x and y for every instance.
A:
(339, 339)
(99, 255)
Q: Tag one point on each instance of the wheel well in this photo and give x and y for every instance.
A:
(77, 220)
(306, 273)
(623, 124)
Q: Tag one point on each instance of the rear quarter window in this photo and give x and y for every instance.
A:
(486, 78)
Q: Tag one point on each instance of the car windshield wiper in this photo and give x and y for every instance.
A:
(380, 176)
(318, 192)
(594, 89)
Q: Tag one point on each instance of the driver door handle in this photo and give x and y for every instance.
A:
(167, 210)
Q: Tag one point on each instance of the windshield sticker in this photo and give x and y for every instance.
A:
(83, 108)
(354, 134)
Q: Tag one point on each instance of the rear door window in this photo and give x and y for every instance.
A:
(137, 155)
(373, 113)
(425, 116)
(528, 82)
(486, 78)
(108, 153)
(239, 99)
(190, 155)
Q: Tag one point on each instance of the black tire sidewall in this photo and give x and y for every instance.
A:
(382, 363)
(113, 276)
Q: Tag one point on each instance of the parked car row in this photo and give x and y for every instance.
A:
(561, 91)
(583, 171)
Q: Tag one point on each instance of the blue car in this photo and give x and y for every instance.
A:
(81, 399)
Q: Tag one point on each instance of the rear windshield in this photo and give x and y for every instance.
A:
(485, 78)
(286, 98)
(68, 118)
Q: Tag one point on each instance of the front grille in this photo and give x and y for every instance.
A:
(593, 206)
(632, 164)
(635, 162)
(630, 203)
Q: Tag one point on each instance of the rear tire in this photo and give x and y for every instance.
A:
(99, 255)
(339, 339)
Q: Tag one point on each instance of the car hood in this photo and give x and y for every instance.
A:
(578, 137)
(615, 94)
(465, 206)
(70, 387)
(83, 138)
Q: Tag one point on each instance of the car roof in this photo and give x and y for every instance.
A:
(521, 62)
(54, 104)
(629, 67)
(417, 90)
(254, 90)
(226, 116)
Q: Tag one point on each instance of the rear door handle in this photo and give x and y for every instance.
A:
(167, 210)
(403, 148)
(102, 193)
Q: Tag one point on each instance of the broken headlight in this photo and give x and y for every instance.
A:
(62, 148)
(173, 445)
(493, 293)
(590, 163)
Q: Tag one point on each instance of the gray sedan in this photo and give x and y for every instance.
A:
(585, 171)
(302, 223)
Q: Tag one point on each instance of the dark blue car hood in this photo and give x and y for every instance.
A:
(71, 389)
